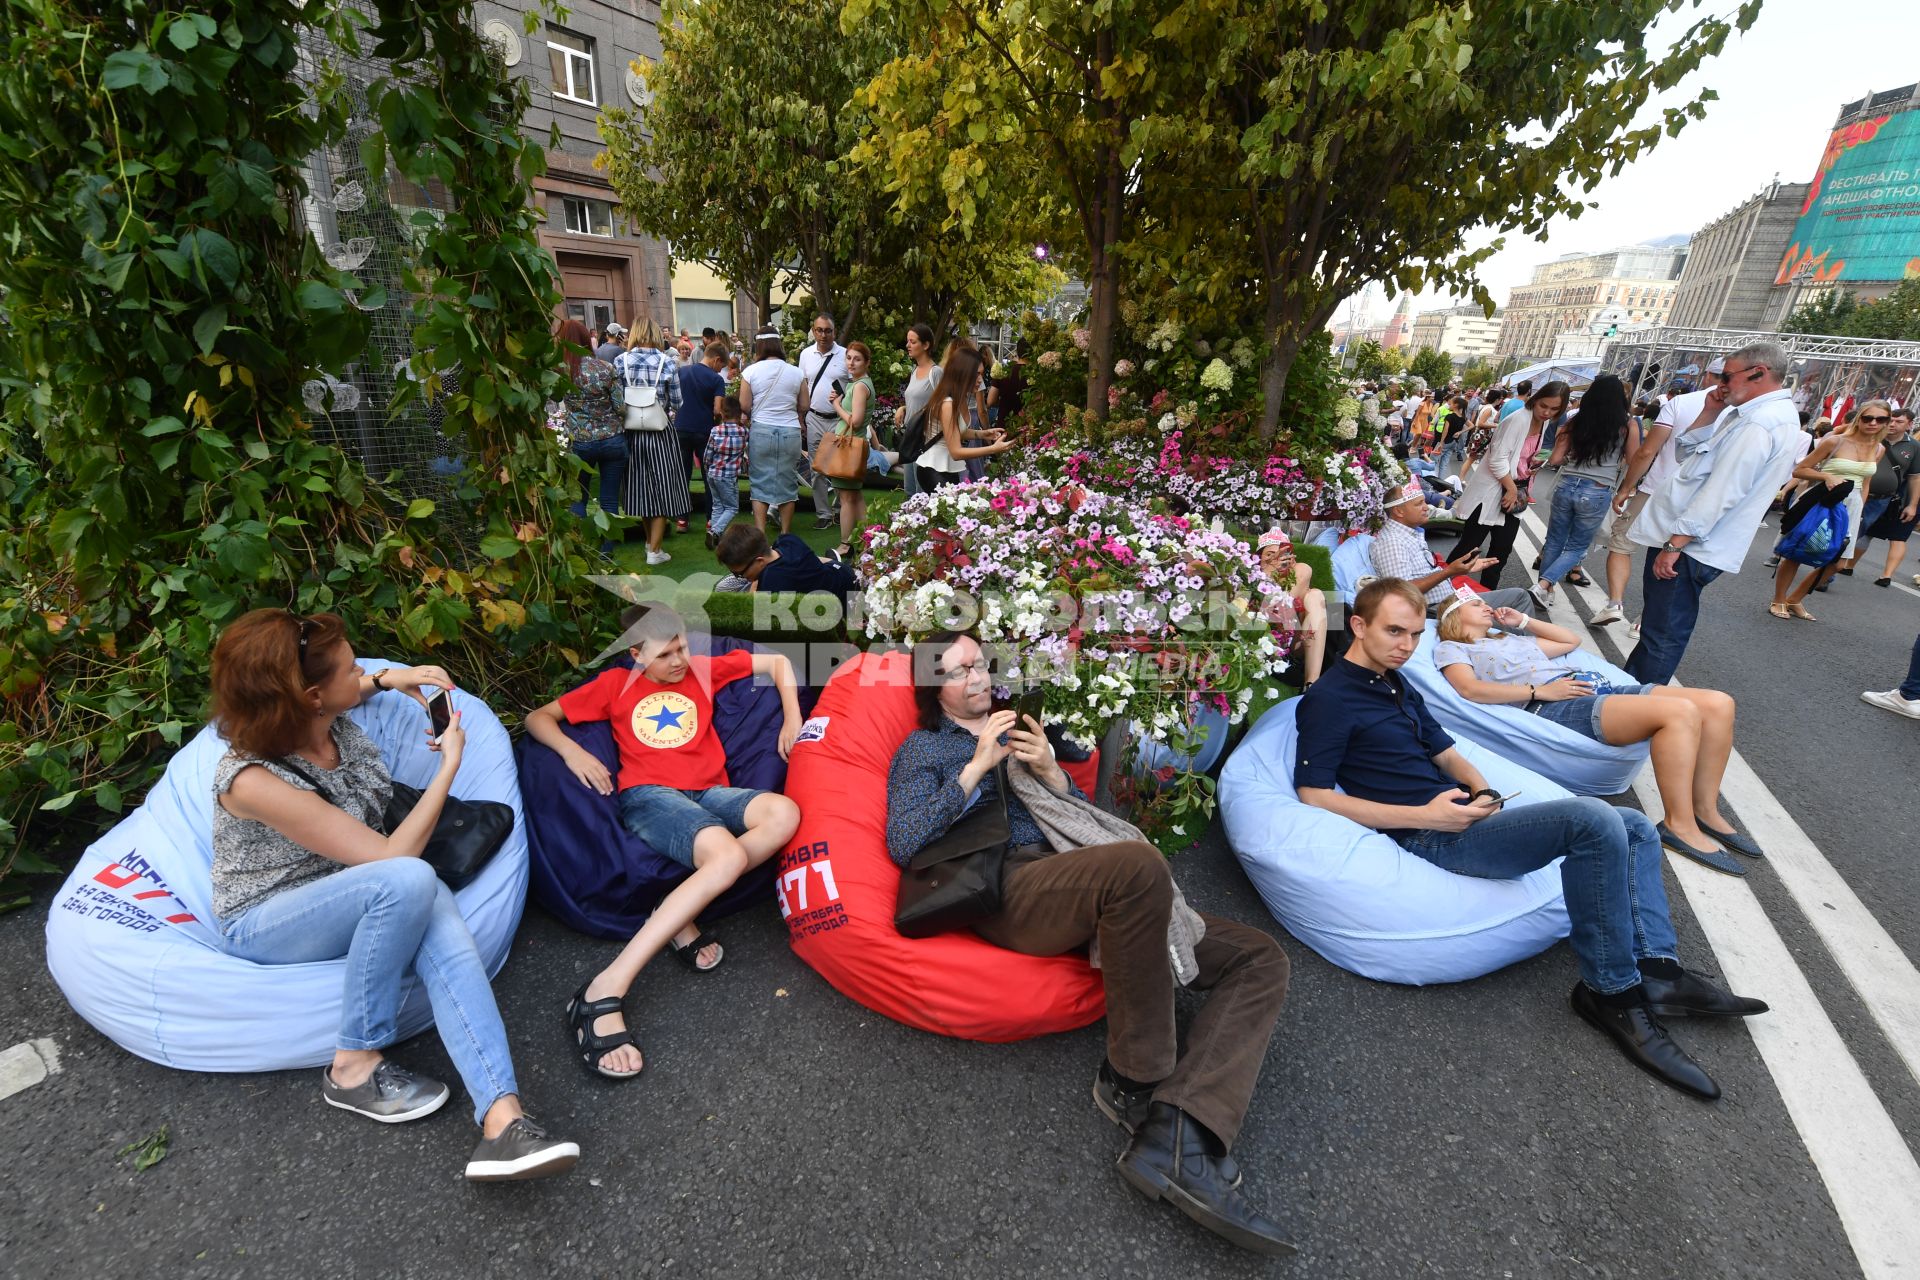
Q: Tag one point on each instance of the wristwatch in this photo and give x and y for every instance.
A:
(1668, 546)
(377, 686)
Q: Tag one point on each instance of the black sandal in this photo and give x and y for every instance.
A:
(689, 955)
(1579, 578)
(593, 1047)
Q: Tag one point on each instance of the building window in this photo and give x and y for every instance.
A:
(587, 217)
(572, 59)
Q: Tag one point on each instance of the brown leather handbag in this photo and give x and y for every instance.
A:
(840, 457)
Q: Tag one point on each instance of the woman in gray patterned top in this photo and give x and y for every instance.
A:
(299, 878)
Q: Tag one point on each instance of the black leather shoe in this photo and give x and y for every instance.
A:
(1125, 1107)
(1170, 1158)
(1645, 1042)
(1128, 1109)
(1693, 996)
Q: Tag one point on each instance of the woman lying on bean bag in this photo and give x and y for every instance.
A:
(302, 872)
(1501, 656)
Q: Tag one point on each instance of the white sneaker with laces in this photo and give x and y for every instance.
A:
(658, 557)
(1892, 701)
(1612, 613)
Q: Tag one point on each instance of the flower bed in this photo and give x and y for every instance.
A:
(1105, 607)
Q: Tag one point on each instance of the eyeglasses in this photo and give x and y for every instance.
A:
(818, 331)
(1876, 417)
(306, 628)
(960, 674)
(1753, 374)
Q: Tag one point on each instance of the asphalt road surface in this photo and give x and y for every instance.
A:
(1478, 1130)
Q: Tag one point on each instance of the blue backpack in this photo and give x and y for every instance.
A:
(1817, 527)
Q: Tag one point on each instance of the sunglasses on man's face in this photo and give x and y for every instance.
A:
(1753, 374)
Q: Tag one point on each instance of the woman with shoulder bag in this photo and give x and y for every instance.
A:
(1851, 453)
(1494, 498)
(913, 401)
(657, 489)
(299, 878)
(594, 413)
(852, 402)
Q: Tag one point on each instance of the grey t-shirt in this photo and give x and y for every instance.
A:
(251, 861)
(1606, 471)
(913, 399)
(1503, 660)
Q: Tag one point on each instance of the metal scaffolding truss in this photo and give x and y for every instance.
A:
(1799, 346)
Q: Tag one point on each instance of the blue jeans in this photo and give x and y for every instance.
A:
(386, 918)
(723, 495)
(670, 819)
(1910, 687)
(1579, 509)
(1615, 896)
(610, 455)
(1668, 611)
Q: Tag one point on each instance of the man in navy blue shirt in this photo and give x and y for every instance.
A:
(1364, 729)
(702, 386)
(789, 564)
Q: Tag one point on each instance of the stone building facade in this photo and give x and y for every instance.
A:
(1465, 333)
(576, 69)
(1728, 279)
(1634, 285)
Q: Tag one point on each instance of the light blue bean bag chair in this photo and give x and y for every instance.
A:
(1155, 755)
(1352, 561)
(131, 935)
(1362, 901)
(1583, 765)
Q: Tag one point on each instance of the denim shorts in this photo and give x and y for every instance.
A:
(669, 819)
(1582, 715)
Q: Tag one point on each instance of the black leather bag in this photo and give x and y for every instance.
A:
(465, 836)
(957, 878)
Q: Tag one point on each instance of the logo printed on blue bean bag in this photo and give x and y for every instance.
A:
(665, 720)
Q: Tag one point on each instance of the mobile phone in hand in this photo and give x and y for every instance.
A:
(1029, 704)
(439, 709)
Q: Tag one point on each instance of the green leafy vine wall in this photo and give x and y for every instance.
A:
(162, 304)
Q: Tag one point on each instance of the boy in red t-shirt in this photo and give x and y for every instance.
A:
(675, 795)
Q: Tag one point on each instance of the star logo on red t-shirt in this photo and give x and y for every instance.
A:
(665, 720)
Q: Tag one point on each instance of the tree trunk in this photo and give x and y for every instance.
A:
(1282, 345)
(1103, 286)
(1113, 744)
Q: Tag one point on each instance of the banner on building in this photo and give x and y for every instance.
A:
(1861, 219)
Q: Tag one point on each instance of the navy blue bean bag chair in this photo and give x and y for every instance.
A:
(586, 869)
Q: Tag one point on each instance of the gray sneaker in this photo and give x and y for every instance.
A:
(391, 1095)
(523, 1150)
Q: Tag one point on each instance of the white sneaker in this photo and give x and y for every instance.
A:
(1892, 701)
(1542, 593)
(658, 557)
(1611, 614)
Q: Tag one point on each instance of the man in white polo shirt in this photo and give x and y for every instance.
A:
(1699, 523)
(1649, 467)
(820, 364)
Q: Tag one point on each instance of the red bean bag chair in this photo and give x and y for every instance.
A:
(837, 886)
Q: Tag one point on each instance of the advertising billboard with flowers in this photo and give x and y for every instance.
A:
(1861, 219)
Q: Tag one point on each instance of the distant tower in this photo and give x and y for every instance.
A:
(1400, 328)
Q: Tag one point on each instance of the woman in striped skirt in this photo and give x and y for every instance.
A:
(656, 473)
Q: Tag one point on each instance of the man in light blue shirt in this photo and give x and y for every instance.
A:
(1699, 524)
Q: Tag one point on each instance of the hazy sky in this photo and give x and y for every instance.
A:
(1780, 85)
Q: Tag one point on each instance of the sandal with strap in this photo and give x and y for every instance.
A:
(593, 1047)
(1779, 610)
(689, 955)
(1800, 611)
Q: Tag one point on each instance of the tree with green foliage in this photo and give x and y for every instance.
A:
(1034, 106)
(1478, 373)
(741, 161)
(1827, 313)
(162, 303)
(1316, 145)
(1435, 366)
(1894, 318)
(1369, 359)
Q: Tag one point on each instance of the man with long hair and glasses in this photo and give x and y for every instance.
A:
(1701, 521)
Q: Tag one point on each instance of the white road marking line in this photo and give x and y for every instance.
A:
(1870, 1173)
(26, 1064)
(1880, 972)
